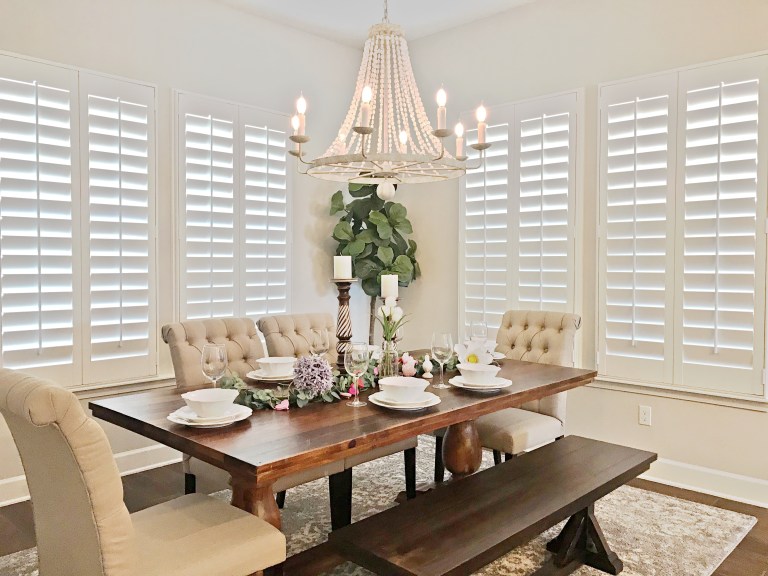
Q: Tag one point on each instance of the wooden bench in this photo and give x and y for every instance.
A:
(466, 524)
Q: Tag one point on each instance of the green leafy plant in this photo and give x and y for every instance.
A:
(375, 234)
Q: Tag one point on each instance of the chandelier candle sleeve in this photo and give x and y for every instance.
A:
(365, 107)
(342, 267)
(481, 115)
(459, 130)
(301, 108)
(389, 286)
(441, 112)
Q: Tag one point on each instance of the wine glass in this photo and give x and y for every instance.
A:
(478, 331)
(442, 350)
(356, 359)
(214, 361)
(320, 342)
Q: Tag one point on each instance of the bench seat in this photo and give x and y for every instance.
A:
(460, 527)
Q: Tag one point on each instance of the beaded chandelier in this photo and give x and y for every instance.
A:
(386, 137)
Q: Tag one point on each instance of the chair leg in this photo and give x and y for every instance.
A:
(190, 481)
(280, 499)
(340, 491)
(439, 466)
(508, 456)
(410, 473)
(497, 457)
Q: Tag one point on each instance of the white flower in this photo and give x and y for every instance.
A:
(384, 312)
(473, 353)
(397, 314)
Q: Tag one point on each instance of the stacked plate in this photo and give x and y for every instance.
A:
(264, 377)
(420, 402)
(188, 417)
(274, 369)
(492, 385)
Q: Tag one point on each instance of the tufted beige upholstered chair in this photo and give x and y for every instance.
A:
(186, 340)
(533, 336)
(294, 334)
(290, 335)
(83, 527)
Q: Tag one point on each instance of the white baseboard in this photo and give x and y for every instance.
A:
(726, 485)
(13, 490)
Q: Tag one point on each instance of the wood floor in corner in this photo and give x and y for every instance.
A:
(750, 558)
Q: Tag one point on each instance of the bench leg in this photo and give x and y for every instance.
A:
(439, 466)
(409, 456)
(190, 481)
(496, 457)
(582, 541)
(340, 491)
(280, 499)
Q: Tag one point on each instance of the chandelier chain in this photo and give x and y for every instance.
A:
(386, 12)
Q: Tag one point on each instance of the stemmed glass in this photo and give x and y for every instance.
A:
(478, 331)
(214, 361)
(320, 342)
(442, 350)
(356, 359)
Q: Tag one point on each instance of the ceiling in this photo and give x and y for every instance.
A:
(348, 21)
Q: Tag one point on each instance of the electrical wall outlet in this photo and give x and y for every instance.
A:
(644, 415)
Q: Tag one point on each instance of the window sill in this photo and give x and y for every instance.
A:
(756, 404)
(93, 391)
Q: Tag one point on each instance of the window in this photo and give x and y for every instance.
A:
(682, 249)
(234, 182)
(76, 178)
(518, 212)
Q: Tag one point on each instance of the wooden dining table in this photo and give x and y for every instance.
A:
(271, 444)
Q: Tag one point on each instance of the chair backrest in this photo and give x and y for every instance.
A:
(186, 340)
(543, 337)
(291, 334)
(83, 527)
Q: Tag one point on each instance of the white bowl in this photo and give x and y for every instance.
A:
(478, 373)
(277, 365)
(210, 402)
(403, 388)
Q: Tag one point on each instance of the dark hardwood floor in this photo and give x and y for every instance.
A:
(148, 488)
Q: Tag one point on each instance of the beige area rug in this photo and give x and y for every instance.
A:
(654, 535)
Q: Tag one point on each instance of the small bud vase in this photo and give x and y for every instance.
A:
(389, 359)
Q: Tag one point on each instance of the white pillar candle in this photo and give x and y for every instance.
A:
(342, 267)
(389, 286)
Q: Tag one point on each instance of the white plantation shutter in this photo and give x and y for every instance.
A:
(207, 169)
(721, 218)
(683, 208)
(486, 234)
(545, 178)
(518, 212)
(235, 192)
(637, 219)
(38, 150)
(119, 305)
(265, 176)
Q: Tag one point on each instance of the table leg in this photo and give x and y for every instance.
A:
(258, 500)
(462, 452)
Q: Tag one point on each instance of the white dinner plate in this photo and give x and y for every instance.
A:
(241, 413)
(186, 413)
(426, 398)
(492, 386)
(385, 403)
(260, 375)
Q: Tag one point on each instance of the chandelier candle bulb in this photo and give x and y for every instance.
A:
(301, 108)
(403, 141)
(442, 98)
(365, 107)
(342, 267)
(389, 286)
(459, 130)
(481, 115)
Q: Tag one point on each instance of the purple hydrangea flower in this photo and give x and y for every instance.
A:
(313, 375)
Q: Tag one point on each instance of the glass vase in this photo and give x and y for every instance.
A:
(388, 366)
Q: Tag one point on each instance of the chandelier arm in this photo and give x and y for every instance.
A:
(480, 163)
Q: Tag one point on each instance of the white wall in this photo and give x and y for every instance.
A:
(211, 49)
(551, 46)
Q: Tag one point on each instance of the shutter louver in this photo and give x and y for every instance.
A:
(209, 250)
(265, 221)
(637, 181)
(486, 194)
(37, 216)
(720, 234)
(120, 313)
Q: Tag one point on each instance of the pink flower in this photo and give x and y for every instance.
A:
(345, 394)
(352, 390)
(376, 371)
(284, 405)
